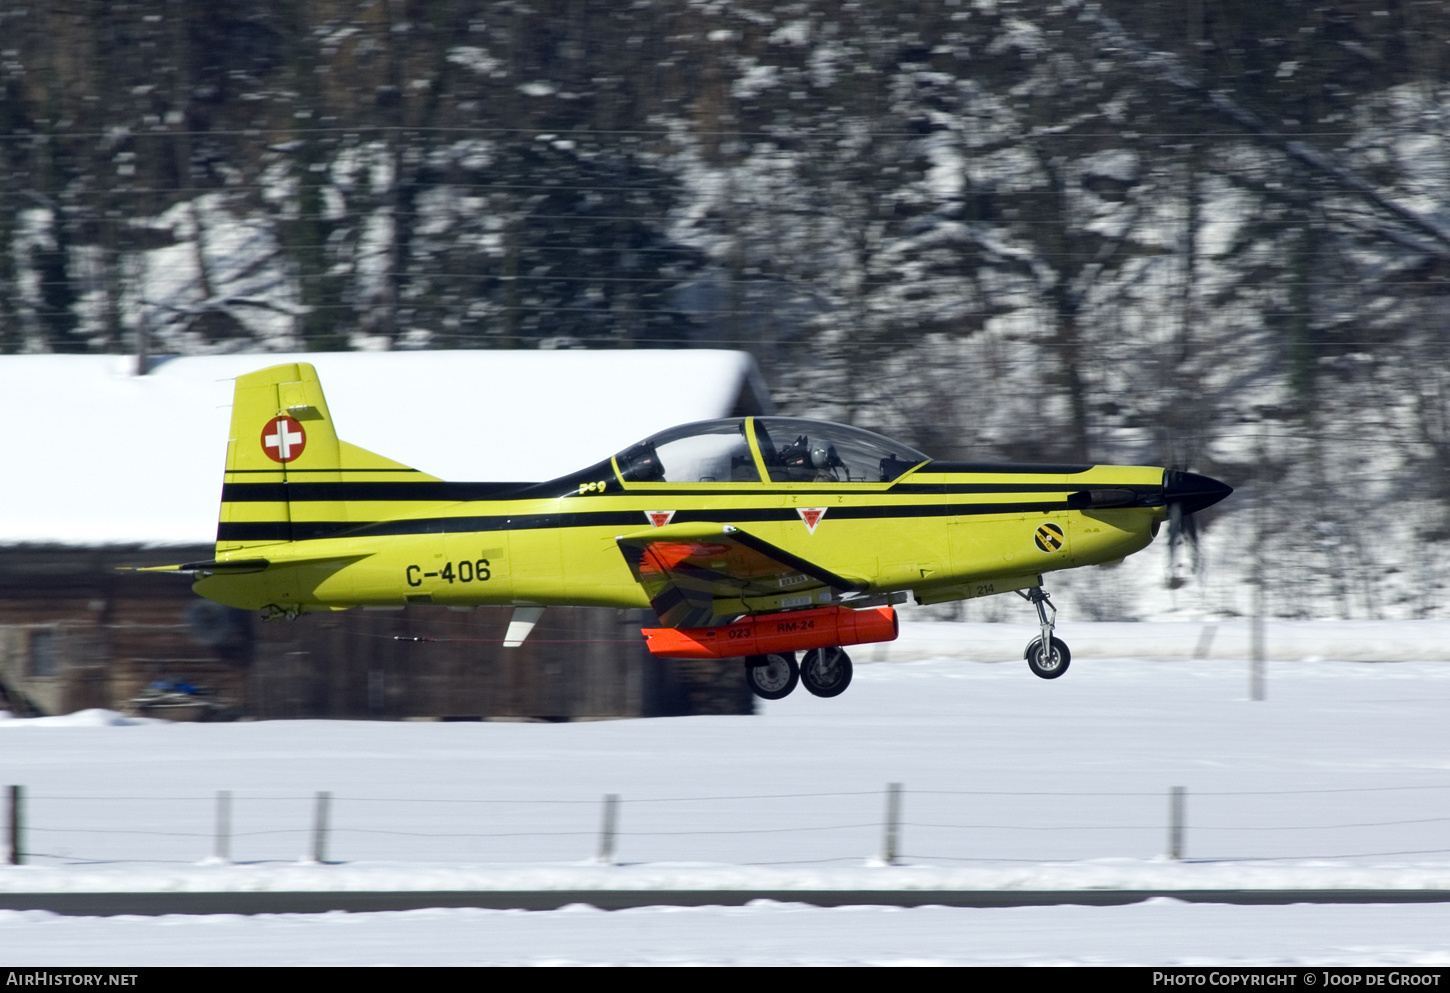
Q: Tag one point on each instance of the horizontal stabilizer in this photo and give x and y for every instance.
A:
(227, 567)
(238, 567)
(232, 567)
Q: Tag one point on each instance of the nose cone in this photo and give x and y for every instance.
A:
(1191, 491)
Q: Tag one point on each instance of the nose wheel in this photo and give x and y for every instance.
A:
(1052, 661)
(1049, 664)
(773, 676)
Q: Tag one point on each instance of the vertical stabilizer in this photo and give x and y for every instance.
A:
(284, 463)
(281, 432)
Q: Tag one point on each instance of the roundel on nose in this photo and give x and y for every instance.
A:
(1049, 538)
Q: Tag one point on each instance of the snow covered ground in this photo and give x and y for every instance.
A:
(1339, 779)
(1158, 932)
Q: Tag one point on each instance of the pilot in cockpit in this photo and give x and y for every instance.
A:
(807, 463)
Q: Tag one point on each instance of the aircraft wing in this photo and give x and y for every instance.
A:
(696, 574)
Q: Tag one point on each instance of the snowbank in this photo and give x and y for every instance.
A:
(1344, 641)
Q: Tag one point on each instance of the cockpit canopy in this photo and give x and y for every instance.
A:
(793, 450)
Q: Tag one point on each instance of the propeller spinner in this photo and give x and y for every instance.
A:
(1186, 493)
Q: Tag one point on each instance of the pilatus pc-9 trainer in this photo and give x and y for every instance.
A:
(760, 537)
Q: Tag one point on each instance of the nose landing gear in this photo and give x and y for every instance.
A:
(1051, 661)
(1048, 665)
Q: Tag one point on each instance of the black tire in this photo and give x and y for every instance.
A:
(1049, 668)
(773, 676)
(826, 672)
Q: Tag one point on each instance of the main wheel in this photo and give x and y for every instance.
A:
(826, 671)
(1048, 665)
(773, 676)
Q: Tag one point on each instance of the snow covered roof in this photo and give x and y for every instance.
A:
(98, 455)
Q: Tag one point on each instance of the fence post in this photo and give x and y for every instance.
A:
(16, 839)
(1257, 687)
(1175, 823)
(893, 823)
(606, 829)
(223, 851)
(319, 826)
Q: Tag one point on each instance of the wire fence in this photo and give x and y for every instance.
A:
(948, 827)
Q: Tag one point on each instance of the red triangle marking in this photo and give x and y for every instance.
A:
(659, 518)
(812, 516)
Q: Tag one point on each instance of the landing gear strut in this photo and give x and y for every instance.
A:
(1051, 661)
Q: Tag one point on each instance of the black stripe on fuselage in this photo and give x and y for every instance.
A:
(1009, 468)
(1153, 490)
(440, 492)
(311, 530)
(303, 492)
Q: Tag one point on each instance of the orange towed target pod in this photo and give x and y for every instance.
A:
(792, 631)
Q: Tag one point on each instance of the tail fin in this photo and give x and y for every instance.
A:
(285, 463)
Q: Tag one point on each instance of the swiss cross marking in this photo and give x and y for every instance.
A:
(283, 439)
(811, 516)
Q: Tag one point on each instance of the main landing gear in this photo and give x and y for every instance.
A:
(826, 672)
(773, 676)
(1052, 661)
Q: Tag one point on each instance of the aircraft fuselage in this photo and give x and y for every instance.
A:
(943, 531)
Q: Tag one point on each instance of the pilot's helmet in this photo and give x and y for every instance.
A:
(821, 456)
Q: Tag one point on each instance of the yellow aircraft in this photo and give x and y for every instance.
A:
(758, 537)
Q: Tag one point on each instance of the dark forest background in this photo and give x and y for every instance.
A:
(1203, 234)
